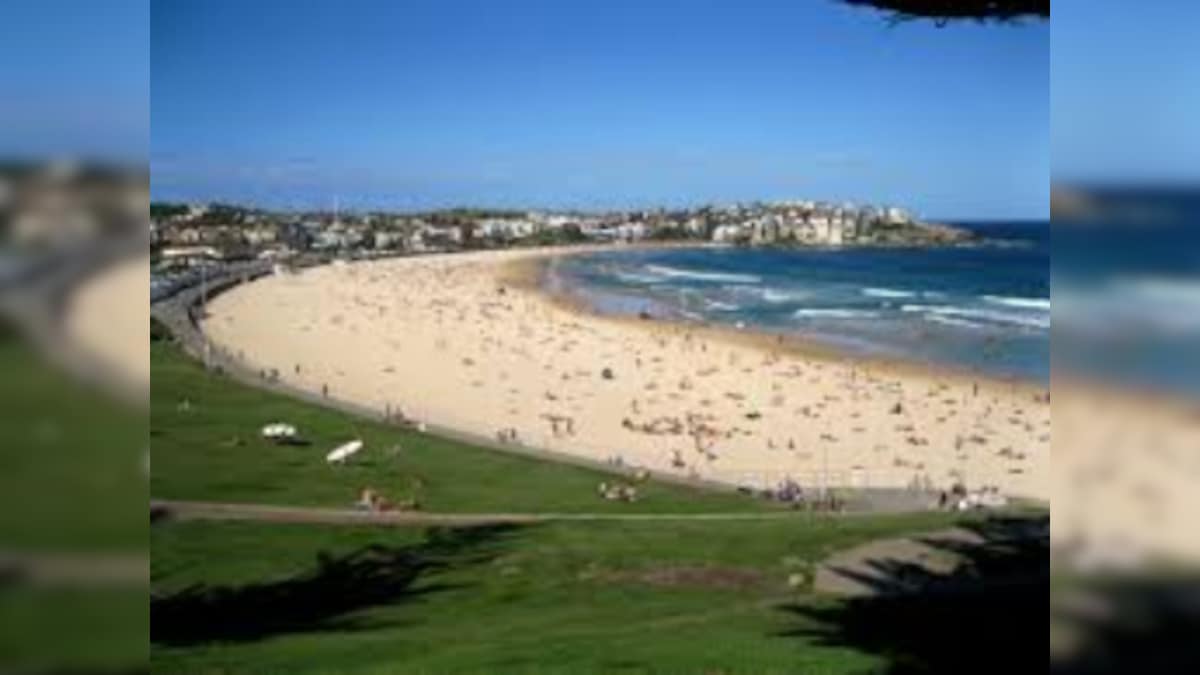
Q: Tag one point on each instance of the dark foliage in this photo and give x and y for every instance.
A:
(1134, 624)
(987, 615)
(158, 330)
(320, 599)
(943, 12)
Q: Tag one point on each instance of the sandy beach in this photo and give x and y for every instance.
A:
(1124, 476)
(460, 341)
(106, 327)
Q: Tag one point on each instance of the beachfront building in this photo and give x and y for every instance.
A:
(632, 231)
(893, 215)
(730, 234)
(260, 235)
(837, 229)
(507, 229)
(190, 256)
(337, 238)
(297, 236)
(387, 240)
(796, 222)
(764, 229)
(429, 237)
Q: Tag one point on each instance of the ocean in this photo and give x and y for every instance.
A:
(1127, 290)
(980, 308)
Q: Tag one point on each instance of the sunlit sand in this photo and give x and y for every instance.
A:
(463, 341)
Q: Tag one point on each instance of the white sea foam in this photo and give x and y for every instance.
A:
(1182, 293)
(991, 316)
(698, 275)
(953, 321)
(635, 278)
(778, 297)
(721, 306)
(1147, 305)
(1020, 303)
(887, 293)
(831, 313)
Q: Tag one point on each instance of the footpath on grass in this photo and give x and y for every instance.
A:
(272, 513)
(1002, 549)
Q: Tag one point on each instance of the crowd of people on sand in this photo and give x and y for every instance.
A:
(683, 400)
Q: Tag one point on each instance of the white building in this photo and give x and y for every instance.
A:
(896, 216)
(728, 234)
(507, 228)
(259, 236)
(632, 231)
(387, 240)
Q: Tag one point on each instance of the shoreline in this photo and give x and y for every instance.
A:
(409, 335)
(529, 274)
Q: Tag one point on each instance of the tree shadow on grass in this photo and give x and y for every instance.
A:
(986, 614)
(1129, 623)
(321, 598)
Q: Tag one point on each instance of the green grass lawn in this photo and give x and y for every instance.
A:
(612, 597)
(73, 484)
(212, 451)
(72, 460)
(557, 597)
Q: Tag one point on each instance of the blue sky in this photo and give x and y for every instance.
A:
(594, 104)
(1125, 103)
(74, 79)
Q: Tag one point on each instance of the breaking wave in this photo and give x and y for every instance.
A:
(832, 313)
(953, 321)
(887, 293)
(992, 316)
(778, 297)
(696, 275)
(719, 306)
(635, 278)
(1020, 303)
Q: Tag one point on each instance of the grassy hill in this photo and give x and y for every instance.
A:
(75, 495)
(557, 597)
(206, 445)
(550, 598)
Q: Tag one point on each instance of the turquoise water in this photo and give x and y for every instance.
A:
(980, 308)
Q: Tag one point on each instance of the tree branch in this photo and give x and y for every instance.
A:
(943, 12)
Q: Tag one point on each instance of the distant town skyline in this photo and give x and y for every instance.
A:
(594, 106)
